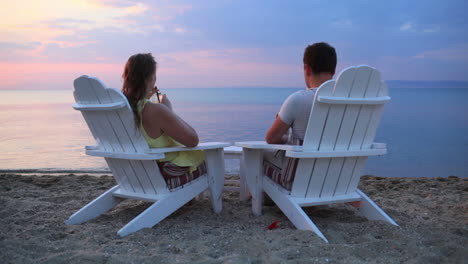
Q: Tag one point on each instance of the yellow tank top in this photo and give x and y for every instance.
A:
(181, 158)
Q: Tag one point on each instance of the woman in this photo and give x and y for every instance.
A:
(158, 123)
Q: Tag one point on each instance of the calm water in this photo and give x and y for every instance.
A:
(426, 130)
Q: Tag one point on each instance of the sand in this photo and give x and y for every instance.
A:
(432, 213)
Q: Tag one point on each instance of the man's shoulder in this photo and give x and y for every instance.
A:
(296, 94)
(301, 95)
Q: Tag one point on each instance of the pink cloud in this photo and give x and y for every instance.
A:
(180, 9)
(225, 68)
(201, 68)
(457, 53)
(54, 75)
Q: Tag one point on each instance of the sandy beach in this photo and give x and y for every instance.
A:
(432, 214)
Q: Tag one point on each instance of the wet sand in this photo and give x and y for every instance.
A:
(432, 214)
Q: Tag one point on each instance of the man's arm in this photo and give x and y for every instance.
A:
(284, 119)
(277, 132)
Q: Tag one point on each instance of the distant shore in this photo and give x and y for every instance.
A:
(432, 214)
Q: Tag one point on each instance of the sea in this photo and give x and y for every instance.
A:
(425, 129)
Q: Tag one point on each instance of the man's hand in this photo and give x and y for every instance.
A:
(277, 132)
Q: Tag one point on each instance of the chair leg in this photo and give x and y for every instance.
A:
(243, 190)
(163, 207)
(253, 160)
(292, 210)
(98, 206)
(372, 211)
(215, 167)
(257, 204)
(152, 215)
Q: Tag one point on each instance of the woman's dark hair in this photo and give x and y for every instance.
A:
(321, 57)
(138, 69)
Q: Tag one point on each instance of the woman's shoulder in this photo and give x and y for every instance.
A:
(154, 108)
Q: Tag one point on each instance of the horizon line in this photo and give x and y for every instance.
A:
(396, 84)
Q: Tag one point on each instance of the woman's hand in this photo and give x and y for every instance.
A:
(151, 92)
(165, 100)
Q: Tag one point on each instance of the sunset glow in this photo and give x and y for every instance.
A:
(45, 44)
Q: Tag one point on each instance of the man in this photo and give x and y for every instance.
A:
(319, 67)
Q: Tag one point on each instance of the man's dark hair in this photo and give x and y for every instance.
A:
(321, 57)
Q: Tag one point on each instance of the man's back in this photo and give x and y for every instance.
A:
(295, 112)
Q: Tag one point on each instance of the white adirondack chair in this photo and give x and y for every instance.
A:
(339, 138)
(110, 119)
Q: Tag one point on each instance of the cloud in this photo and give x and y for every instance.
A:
(180, 30)
(230, 38)
(224, 68)
(137, 9)
(18, 46)
(54, 75)
(420, 28)
(180, 9)
(456, 53)
(344, 23)
(406, 26)
(70, 25)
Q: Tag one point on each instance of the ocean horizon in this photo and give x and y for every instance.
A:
(425, 129)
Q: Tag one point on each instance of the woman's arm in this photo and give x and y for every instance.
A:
(158, 118)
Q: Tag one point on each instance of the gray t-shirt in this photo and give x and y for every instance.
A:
(295, 111)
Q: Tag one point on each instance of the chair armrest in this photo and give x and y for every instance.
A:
(264, 145)
(201, 146)
(295, 151)
(96, 152)
(97, 107)
(152, 154)
(337, 154)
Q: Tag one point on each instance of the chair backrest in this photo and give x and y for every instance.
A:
(113, 129)
(111, 121)
(345, 115)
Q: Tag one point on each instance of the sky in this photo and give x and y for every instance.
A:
(46, 44)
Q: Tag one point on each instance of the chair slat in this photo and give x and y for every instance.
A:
(345, 175)
(333, 177)
(318, 177)
(332, 127)
(375, 118)
(130, 137)
(84, 93)
(305, 167)
(126, 165)
(98, 122)
(119, 174)
(357, 173)
(361, 81)
(143, 177)
(99, 90)
(361, 126)
(317, 119)
(156, 178)
(373, 86)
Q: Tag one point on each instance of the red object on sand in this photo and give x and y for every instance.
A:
(273, 225)
(355, 204)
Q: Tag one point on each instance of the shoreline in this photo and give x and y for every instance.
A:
(104, 172)
(432, 214)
